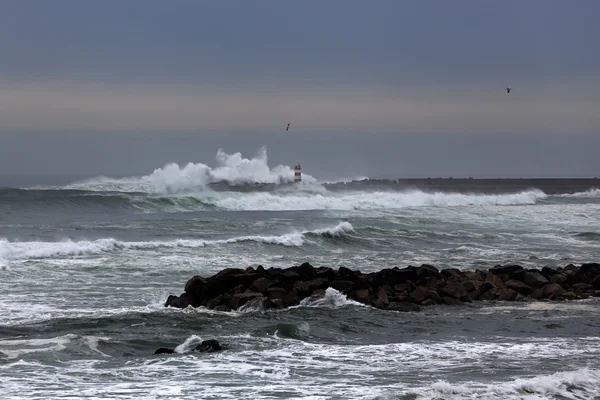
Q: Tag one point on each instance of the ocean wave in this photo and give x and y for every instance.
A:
(369, 200)
(578, 384)
(11, 251)
(592, 193)
(288, 199)
(173, 178)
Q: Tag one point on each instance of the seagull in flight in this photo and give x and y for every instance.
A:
(288, 128)
(508, 89)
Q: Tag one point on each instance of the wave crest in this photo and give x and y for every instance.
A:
(233, 169)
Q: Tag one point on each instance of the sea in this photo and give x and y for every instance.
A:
(86, 266)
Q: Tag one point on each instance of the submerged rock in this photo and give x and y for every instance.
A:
(164, 350)
(397, 289)
(208, 346)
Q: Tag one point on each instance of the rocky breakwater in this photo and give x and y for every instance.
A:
(398, 289)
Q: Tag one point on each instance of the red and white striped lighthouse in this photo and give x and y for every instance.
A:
(297, 174)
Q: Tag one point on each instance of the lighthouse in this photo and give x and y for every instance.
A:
(297, 174)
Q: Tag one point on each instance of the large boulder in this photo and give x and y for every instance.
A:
(534, 279)
(519, 286)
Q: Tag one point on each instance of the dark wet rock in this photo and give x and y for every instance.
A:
(426, 270)
(570, 296)
(519, 286)
(552, 290)
(534, 279)
(451, 301)
(380, 298)
(452, 289)
(495, 280)
(263, 289)
(558, 278)
(341, 285)
(360, 295)
(453, 273)
(195, 285)
(583, 288)
(506, 269)
(164, 350)
(208, 346)
(508, 295)
(548, 272)
(276, 293)
(420, 294)
(305, 271)
(278, 304)
(262, 284)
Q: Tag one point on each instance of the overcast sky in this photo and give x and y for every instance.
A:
(378, 88)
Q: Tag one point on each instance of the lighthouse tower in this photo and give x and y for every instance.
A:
(297, 174)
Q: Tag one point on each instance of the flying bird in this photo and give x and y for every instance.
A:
(508, 89)
(288, 128)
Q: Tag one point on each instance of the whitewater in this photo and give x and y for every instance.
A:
(85, 269)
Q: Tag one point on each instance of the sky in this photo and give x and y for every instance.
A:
(383, 88)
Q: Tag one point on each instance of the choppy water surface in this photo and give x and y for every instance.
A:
(85, 269)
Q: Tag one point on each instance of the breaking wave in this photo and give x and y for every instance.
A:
(592, 193)
(12, 251)
(233, 169)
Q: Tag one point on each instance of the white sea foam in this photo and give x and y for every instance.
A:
(273, 201)
(11, 251)
(587, 194)
(173, 178)
(332, 299)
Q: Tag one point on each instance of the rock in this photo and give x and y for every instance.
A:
(534, 279)
(491, 294)
(495, 280)
(570, 296)
(421, 294)
(453, 274)
(208, 346)
(293, 297)
(278, 304)
(276, 293)
(257, 304)
(552, 290)
(505, 269)
(559, 278)
(319, 283)
(237, 300)
(519, 287)
(430, 302)
(508, 295)
(426, 271)
(380, 299)
(326, 274)
(164, 350)
(262, 284)
(195, 285)
(305, 271)
(451, 301)
(405, 287)
(177, 302)
(403, 307)
(548, 272)
(453, 289)
(472, 286)
(595, 282)
(342, 286)
(360, 295)
(583, 288)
